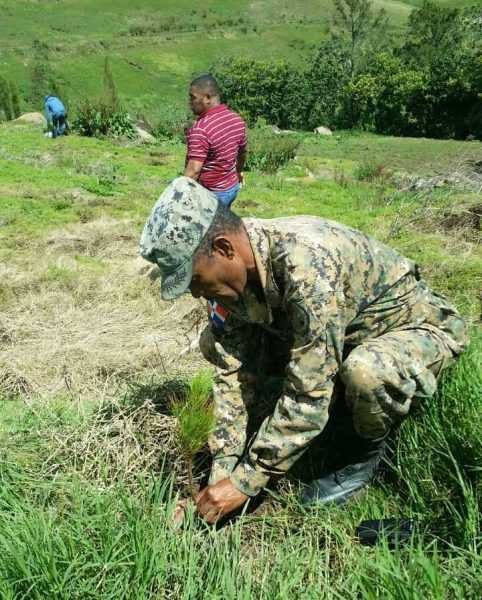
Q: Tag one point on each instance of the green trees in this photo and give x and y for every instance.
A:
(104, 116)
(262, 89)
(358, 27)
(430, 84)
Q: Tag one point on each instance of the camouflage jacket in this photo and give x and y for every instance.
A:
(330, 287)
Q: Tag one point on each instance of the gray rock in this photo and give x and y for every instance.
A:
(34, 118)
(144, 136)
(323, 131)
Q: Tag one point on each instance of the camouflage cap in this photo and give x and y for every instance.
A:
(174, 230)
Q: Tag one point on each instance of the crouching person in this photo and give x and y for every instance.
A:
(56, 116)
(324, 302)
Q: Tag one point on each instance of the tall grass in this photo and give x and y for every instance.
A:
(62, 536)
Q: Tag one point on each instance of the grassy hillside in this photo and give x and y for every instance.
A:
(90, 356)
(156, 46)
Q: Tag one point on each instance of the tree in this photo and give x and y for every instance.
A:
(433, 31)
(44, 81)
(326, 78)
(14, 99)
(355, 23)
(110, 89)
(445, 44)
(6, 99)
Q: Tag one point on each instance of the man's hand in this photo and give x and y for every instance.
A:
(241, 178)
(216, 501)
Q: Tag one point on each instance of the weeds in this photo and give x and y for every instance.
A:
(94, 119)
(268, 152)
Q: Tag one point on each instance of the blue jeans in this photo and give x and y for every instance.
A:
(58, 124)
(227, 197)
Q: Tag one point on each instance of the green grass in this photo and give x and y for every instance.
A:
(66, 537)
(85, 511)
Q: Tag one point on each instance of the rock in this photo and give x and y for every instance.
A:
(145, 136)
(279, 131)
(35, 118)
(323, 131)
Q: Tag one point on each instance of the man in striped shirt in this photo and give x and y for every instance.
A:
(216, 143)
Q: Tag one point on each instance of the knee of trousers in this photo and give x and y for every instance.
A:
(360, 374)
(372, 403)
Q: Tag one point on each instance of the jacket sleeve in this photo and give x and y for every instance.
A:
(233, 392)
(48, 113)
(314, 302)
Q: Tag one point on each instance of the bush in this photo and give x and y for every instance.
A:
(430, 86)
(96, 119)
(173, 124)
(268, 151)
(325, 82)
(257, 89)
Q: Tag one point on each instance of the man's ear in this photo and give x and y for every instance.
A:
(223, 246)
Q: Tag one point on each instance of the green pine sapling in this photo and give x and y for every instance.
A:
(196, 420)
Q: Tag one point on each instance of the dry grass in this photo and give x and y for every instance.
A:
(84, 317)
(121, 444)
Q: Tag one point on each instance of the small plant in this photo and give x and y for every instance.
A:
(268, 151)
(95, 119)
(196, 420)
(173, 124)
(371, 172)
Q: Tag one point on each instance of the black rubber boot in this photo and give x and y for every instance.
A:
(343, 483)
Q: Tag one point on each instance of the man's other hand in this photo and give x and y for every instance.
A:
(216, 501)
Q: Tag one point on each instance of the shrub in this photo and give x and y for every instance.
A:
(96, 119)
(268, 151)
(273, 91)
(325, 83)
(372, 172)
(173, 123)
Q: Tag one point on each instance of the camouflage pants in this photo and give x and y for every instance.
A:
(384, 376)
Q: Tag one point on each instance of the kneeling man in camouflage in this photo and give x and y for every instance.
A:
(328, 304)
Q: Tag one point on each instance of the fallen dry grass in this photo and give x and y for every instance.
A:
(81, 315)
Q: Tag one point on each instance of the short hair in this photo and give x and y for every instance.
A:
(207, 83)
(225, 221)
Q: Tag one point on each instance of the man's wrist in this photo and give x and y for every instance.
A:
(222, 468)
(247, 479)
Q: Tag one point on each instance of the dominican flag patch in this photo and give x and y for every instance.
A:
(217, 313)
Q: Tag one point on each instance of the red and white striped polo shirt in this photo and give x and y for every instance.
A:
(215, 139)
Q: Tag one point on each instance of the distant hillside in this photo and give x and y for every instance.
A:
(156, 46)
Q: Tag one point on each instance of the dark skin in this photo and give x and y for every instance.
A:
(223, 275)
(200, 101)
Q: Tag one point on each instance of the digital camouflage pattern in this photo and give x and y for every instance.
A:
(174, 230)
(334, 304)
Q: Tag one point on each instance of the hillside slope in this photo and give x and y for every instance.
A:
(155, 47)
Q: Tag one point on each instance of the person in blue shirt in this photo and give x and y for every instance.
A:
(56, 116)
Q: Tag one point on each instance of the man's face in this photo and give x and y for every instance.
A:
(218, 276)
(198, 100)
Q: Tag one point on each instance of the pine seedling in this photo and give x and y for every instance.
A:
(196, 420)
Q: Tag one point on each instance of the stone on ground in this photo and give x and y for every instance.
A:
(35, 118)
(323, 131)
